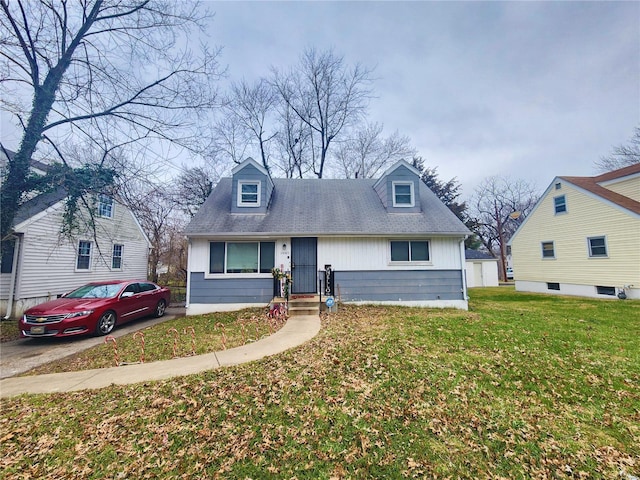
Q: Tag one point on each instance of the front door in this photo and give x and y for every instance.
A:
(304, 254)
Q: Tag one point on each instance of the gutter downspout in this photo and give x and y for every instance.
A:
(14, 276)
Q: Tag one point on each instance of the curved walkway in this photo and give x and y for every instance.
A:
(295, 332)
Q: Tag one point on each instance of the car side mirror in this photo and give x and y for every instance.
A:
(126, 295)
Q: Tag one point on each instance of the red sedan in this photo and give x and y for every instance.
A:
(96, 307)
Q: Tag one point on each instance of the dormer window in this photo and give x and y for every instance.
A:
(248, 194)
(105, 206)
(403, 194)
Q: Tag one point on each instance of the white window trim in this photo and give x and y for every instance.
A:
(566, 208)
(113, 206)
(78, 254)
(226, 274)
(121, 256)
(393, 194)
(542, 250)
(249, 182)
(606, 247)
(393, 263)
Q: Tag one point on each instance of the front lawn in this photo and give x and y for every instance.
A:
(521, 386)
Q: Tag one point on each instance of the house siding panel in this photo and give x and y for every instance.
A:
(629, 188)
(407, 285)
(229, 290)
(47, 264)
(586, 217)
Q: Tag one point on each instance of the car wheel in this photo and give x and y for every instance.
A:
(161, 308)
(106, 323)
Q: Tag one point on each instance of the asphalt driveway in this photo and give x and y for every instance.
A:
(22, 355)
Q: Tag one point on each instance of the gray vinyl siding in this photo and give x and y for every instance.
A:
(252, 174)
(405, 285)
(384, 188)
(230, 290)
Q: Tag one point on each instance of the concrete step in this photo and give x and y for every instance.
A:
(304, 305)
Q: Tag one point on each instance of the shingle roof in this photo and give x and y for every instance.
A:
(592, 184)
(38, 204)
(323, 207)
(470, 254)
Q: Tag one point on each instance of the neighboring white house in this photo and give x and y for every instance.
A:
(389, 240)
(582, 237)
(44, 264)
(481, 269)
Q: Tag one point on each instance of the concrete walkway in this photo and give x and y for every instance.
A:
(295, 332)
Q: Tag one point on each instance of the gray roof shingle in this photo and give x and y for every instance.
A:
(323, 207)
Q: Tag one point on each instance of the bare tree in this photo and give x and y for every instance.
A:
(294, 144)
(366, 153)
(249, 108)
(100, 72)
(622, 155)
(327, 96)
(497, 207)
(192, 188)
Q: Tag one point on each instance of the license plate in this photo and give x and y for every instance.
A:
(37, 330)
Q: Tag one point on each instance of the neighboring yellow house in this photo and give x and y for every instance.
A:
(582, 238)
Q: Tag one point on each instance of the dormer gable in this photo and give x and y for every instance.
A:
(399, 188)
(251, 189)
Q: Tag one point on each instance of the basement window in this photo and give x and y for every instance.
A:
(553, 286)
(606, 290)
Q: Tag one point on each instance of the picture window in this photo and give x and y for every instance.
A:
(241, 257)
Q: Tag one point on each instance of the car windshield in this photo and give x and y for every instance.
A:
(96, 291)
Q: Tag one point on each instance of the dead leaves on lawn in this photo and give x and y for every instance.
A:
(379, 393)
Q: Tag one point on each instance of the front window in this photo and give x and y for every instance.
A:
(403, 194)
(548, 250)
(116, 259)
(241, 257)
(249, 194)
(597, 247)
(83, 261)
(105, 206)
(409, 251)
(560, 204)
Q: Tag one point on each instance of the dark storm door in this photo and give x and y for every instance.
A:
(304, 254)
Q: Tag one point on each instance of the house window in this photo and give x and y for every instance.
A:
(548, 250)
(597, 246)
(560, 204)
(116, 258)
(83, 261)
(606, 290)
(248, 194)
(553, 286)
(6, 262)
(403, 194)
(558, 186)
(409, 251)
(241, 257)
(105, 206)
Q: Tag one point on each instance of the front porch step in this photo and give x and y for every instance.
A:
(304, 305)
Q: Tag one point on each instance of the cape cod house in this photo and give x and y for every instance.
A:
(388, 240)
(42, 264)
(582, 237)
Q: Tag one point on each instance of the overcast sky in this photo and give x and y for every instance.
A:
(521, 89)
